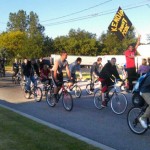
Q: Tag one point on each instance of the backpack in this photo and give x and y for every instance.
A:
(139, 83)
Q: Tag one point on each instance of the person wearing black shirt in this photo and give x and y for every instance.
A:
(15, 68)
(107, 75)
(30, 69)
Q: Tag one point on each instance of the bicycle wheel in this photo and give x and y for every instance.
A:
(133, 120)
(77, 91)
(88, 89)
(98, 99)
(67, 101)
(37, 94)
(50, 98)
(118, 103)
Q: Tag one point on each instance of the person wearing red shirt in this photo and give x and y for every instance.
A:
(130, 63)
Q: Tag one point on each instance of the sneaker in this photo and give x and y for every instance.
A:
(143, 122)
(104, 103)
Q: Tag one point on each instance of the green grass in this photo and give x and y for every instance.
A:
(20, 133)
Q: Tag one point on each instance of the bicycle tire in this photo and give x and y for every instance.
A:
(133, 122)
(88, 87)
(77, 91)
(119, 103)
(50, 98)
(37, 94)
(67, 101)
(98, 99)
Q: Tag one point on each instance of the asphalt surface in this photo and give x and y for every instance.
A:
(102, 126)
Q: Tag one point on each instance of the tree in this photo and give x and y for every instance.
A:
(48, 46)
(18, 21)
(13, 42)
(111, 45)
(78, 42)
(34, 27)
(33, 31)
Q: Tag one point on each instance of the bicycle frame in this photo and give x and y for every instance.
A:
(62, 90)
(108, 96)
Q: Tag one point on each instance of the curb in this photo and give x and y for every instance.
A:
(72, 134)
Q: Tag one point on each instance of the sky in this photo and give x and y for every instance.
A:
(138, 11)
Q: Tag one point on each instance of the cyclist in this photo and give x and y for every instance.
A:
(74, 67)
(95, 71)
(29, 71)
(145, 93)
(57, 74)
(2, 66)
(23, 65)
(45, 74)
(15, 68)
(41, 63)
(106, 77)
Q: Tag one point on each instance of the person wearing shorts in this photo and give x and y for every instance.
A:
(75, 67)
(57, 72)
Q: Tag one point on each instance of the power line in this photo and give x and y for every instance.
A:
(92, 15)
(77, 12)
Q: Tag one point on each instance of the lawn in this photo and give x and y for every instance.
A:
(20, 133)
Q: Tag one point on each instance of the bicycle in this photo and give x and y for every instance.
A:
(118, 100)
(35, 91)
(133, 119)
(63, 95)
(16, 79)
(22, 84)
(46, 87)
(76, 89)
(89, 86)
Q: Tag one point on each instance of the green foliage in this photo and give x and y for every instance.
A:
(18, 21)
(25, 38)
(77, 42)
(111, 45)
(12, 42)
(25, 35)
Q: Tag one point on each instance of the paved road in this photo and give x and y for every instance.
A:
(100, 125)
